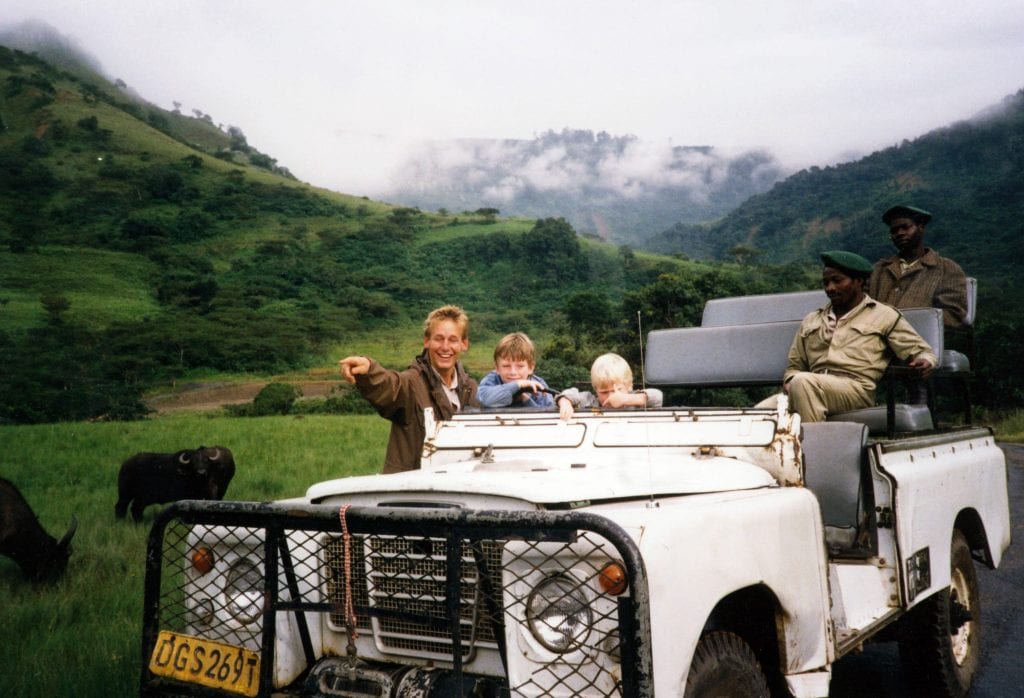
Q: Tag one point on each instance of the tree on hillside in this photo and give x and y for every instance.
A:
(489, 214)
(588, 314)
(237, 139)
(744, 254)
(552, 242)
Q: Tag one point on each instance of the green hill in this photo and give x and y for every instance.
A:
(139, 246)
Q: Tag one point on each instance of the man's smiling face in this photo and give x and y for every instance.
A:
(444, 345)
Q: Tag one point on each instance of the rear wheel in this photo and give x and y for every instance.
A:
(724, 666)
(940, 642)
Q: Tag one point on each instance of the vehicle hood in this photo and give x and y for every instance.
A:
(540, 482)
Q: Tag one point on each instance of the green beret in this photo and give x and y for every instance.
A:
(852, 264)
(914, 214)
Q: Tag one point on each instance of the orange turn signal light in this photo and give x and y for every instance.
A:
(202, 560)
(613, 578)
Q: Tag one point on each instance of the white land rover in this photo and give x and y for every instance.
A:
(687, 551)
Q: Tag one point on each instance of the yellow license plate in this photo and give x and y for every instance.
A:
(206, 662)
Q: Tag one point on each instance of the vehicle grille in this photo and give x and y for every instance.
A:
(406, 575)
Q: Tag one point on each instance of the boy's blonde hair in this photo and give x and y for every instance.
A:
(515, 347)
(608, 369)
(447, 312)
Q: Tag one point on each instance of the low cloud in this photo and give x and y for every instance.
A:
(582, 176)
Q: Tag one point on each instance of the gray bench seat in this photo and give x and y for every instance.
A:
(755, 353)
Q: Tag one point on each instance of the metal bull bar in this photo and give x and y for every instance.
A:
(273, 524)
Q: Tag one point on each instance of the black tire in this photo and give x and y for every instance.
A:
(724, 666)
(940, 641)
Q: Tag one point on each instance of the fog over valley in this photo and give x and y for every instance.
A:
(620, 188)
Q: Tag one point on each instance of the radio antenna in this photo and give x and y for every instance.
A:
(652, 503)
(640, 333)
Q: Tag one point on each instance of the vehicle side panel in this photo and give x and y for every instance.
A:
(691, 545)
(936, 480)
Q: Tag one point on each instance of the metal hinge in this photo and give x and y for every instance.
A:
(886, 517)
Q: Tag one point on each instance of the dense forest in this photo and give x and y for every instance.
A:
(140, 246)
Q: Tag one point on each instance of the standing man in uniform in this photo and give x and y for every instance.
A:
(435, 379)
(917, 276)
(842, 349)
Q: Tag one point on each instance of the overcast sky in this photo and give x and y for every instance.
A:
(337, 90)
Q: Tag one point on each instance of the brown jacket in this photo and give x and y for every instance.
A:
(934, 282)
(401, 397)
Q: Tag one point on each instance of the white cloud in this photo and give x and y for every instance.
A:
(337, 91)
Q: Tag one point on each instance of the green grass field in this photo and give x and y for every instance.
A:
(82, 635)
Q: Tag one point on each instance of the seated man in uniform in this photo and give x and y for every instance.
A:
(842, 349)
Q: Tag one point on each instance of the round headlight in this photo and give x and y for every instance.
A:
(558, 613)
(203, 612)
(243, 592)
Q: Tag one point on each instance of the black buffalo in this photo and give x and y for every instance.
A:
(41, 557)
(157, 478)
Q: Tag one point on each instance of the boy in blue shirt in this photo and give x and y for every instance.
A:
(512, 383)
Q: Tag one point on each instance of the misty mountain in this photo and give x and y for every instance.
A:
(618, 188)
(38, 38)
(969, 175)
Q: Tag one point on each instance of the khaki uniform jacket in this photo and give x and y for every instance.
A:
(862, 345)
(401, 397)
(934, 282)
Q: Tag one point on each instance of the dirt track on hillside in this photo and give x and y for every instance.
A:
(202, 397)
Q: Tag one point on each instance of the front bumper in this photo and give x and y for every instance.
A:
(461, 632)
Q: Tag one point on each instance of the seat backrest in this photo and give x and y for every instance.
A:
(928, 323)
(972, 300)
(719, 356)
(833, 456)
(769, 307)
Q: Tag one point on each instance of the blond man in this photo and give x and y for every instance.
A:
(434, 379)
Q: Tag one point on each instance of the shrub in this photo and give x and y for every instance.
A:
(275, 398)
(344, 399)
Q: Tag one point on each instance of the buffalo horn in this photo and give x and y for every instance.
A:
(72, 527)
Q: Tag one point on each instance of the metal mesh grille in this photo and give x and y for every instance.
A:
(226, 603)
(334, 556)
(406, 575)
(591, 668)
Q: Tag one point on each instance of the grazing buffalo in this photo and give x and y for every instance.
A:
(42, 557)
(157, 478)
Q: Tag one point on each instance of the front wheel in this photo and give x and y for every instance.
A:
(724, 666)
(940, 642)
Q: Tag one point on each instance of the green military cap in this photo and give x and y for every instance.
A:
(915, 214)
(849, 262)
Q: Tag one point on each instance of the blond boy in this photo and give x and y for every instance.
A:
(612, 379)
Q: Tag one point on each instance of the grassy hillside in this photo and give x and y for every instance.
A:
(140, 246)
